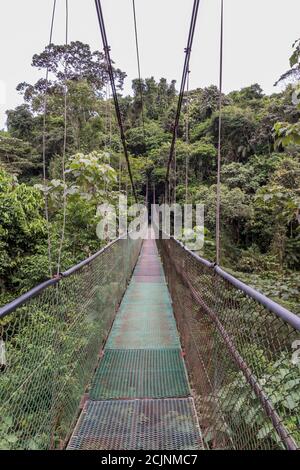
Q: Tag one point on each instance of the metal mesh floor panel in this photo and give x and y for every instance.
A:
(146, 308)
(148, 279)
(148, 271)
(147, 334)
(144, 322)
(166, 424)
(140, 299)
(147, 292)
(140, 374)
(152, 288)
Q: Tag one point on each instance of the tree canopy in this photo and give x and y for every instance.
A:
(260, 166)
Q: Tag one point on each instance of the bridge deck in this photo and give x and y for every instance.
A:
(140, 396)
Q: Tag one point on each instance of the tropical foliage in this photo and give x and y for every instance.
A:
(260, 168)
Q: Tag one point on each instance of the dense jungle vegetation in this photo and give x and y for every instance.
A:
(260, 169)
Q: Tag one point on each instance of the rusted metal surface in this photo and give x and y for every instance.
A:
(169, 424)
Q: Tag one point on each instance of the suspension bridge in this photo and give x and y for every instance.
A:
(146, 345)
(96, 359)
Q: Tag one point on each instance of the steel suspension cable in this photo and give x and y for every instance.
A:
(62, 239)
(183, 83)
(106, 49)
(139, 67)
(218, 204)
(44, 146)
(187, 136)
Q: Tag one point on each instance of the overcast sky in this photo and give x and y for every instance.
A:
(257, 39)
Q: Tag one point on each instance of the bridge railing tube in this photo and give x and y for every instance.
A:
(242, 354)
(22, 299)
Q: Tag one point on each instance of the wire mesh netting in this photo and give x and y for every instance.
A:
(239, 358)
(49, 348)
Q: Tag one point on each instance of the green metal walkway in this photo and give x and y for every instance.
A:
(140, 396)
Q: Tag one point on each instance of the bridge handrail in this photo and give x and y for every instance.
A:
(279, 310)
(22, 299)
(271, 305)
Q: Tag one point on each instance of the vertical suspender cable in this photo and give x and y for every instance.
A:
(106, 127)
(120, 173)
(110, 118)
(106, 49)
(187, 136)
(218, 244)
(106, 117)
(175, 173)
(62, 239)
(44, 146)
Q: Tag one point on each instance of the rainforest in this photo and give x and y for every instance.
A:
(260, 173)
